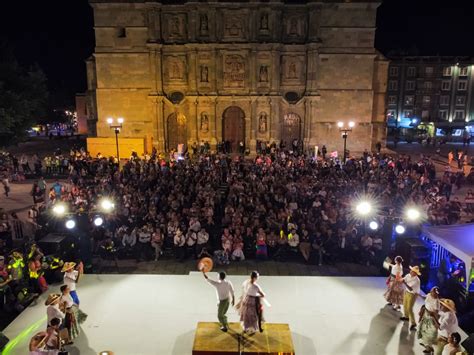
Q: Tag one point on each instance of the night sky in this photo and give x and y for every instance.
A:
(58, 35)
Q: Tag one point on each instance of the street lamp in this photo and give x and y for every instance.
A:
(345, 131)
(116, 127)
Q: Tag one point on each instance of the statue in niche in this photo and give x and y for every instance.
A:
(204, 25)
(204, 122)
(204, 74)
(264, 21)
(175, 71)
(292, 71)
(263, 75)
(175, 26)
(262, 122)
(294, 26)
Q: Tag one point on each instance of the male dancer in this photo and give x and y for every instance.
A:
(224, 291)
(412, 284)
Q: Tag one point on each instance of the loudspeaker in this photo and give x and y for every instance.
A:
(415, 251)
(55, 244)
(468, 344)
(3, 341)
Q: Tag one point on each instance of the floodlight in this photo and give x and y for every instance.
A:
(340, 124)
(98, 221)
(120, 120)
(110, 120)
(374, 225)
(59, 209)
(70, 224)
(106, 205)
(412, 214)
(400, 229)
(351, 124)
(363, 208)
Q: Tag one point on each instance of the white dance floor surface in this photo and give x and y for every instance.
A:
(157, 314)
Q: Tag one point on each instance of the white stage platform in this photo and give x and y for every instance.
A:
(158, 314)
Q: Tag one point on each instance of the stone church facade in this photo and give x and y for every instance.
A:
(250, 71)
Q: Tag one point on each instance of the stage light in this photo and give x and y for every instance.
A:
(70, 224)
(59, 209)
(374, 225)
(351, 124)
(98, 221)
(400, 229)
(412, 214)
(107, 205)
(363, 208)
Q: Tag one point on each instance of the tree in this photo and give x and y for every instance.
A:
(23, 99)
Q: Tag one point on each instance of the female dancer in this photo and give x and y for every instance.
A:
(428, 329)
(250, 307)
(394, 293)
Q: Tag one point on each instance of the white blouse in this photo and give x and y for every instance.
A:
(397, 270)
(68, 300)
(431, 303)
(252, 289)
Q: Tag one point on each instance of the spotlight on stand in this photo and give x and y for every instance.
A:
(70, 224)
(59, 209)
(98, 221)
(106, 205)
(400, 229)
(412, 214)
(363, 208)
(373, 225)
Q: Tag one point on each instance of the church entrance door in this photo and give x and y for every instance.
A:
(233, 127)
(291, 129)
(176, 131)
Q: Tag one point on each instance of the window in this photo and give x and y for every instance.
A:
(447, 71)
(409, 100)
(463, 71)
(444, 100)
(446, 85)
(459, 115)
(407, 113)
(425, 114)
(460, 100)
(462, 85)
(121, 32)
(393, 71)
(392, 100)
(410, 85)
(393, 85)
(411, 71)
(443, 114)
(429, 70)
(428, 85)
(426, 100)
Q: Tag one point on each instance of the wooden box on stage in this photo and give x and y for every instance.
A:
(210, 340)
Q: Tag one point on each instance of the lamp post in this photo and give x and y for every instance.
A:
(116, 127)
(345, 131)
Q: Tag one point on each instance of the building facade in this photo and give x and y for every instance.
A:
(237, 71)
(431, 90)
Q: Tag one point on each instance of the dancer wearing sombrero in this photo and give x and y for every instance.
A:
(71, 278)
(225, 296)
(412, 284)
(448, 324)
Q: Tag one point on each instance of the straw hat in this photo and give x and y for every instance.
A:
(449, 304)
(416, 270)
(53, 297)
(68, 266)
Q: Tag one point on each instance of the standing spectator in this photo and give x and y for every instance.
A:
(24, 164)
(157, 243)
(305, 245)
(202, 240)
(6, 185)
(324, 151)
(144, 243)
(179, 244)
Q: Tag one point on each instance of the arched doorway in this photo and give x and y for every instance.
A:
(233, 127)
(291, 129)
(176, 131)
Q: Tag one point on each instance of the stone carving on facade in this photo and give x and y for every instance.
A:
(263, 74)
(234, 71)
(293, 27)
(234, 26)
(204, 122)
(203, 25)
(264, 22)
(262, 122)
(204, 74)
(175, 68)
(175, 26)
(292, 70)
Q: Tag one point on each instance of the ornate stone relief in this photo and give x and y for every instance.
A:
(234, 71)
